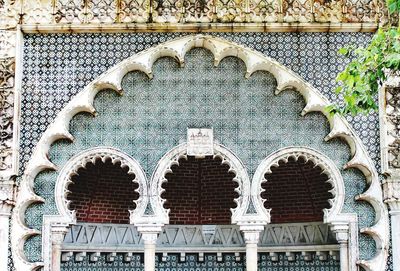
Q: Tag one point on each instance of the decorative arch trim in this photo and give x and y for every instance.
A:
(173, 156)
(344, 225)
(90, 156)
(254, 61)
(56, 225)
(332, 214)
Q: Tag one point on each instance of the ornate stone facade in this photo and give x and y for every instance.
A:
(188, 15)
(390, 148)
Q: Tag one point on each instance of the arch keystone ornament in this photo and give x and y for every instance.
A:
(143, 61)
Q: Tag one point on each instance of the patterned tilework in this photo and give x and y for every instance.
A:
(210, 263)
(58, 66)
(299, 264)
(152, 115)
(117, 265)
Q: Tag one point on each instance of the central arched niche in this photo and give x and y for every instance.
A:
(247, 117)
(200, 191)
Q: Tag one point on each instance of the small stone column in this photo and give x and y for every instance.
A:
(251, 236)
(391, 188)
(6, 204)
(7, 189)
(395, 221)
(342, 236)
(149, 237)
(57, 238)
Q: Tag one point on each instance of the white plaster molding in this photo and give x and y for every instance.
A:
(177, 49)
(56, 225)
(333, 215)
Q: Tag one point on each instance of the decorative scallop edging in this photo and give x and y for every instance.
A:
(143, 61)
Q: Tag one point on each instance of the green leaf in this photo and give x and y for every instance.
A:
(343, 51)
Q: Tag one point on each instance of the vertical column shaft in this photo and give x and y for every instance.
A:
(149, 237)
(395, 221)
(251, 257)
(4, 226)
(57, 238)
(251, 236)
(149, 256)
(342, 236)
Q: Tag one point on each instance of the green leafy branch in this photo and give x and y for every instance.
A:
(369, 68)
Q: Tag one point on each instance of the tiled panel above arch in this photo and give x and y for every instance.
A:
(58, 66)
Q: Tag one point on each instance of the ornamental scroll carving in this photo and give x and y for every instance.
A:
(393, 118)
(7, 71)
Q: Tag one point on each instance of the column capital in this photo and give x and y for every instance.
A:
(149, 232)
(341, 231)
(391, 191)
(7, 194)
(251, 232)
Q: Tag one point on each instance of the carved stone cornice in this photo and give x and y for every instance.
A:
(208, 14)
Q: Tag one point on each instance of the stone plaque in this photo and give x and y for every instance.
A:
(200, 142)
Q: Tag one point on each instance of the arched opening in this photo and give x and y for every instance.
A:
(200, 192)
(103, 192)
(296, 191)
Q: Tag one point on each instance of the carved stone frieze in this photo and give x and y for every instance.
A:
(265, 10)
(328, 11)
(360, 11)
(231, 10)
(7, 72)
(9, 13)
(95, 12)
(298, 11)
(166, 11)
(134, 11)
(37, 12)
(7, 43)
(196, 10)
(70, 11)
(390, 128)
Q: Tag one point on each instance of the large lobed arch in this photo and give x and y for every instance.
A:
(286, 79)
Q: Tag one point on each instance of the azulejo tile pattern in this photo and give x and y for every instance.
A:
(152, 115)
(58, 66)
(298, 264)
(117, 265)
(210, 263)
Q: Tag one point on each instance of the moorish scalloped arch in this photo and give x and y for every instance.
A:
(143, 61)
(54, 224)
(235, 165)
(343, 223)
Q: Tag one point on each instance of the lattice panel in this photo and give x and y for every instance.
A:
(190, 11)
(298, 11)
(134, 11)
(231, 10)
(360, 11)
(265, 10)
